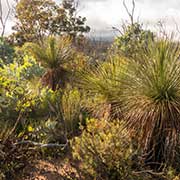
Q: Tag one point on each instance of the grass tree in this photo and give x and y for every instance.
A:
(53, 54)
(146, 92)
(99, 85)
(151, 101)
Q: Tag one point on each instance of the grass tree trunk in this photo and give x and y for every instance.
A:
(55, 78)
(154, 154)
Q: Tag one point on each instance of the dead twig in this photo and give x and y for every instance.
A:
(130, 14)
(41, 145)
(14, 127)
(4, 16)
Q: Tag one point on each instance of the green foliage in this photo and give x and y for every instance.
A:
(145, 92)
(152, 100)
(47, 87)
(6, 52)
(74, 25)
(133, 40)
(58, 114)
(53, 54)
(49, 125)
(105, 150)
(99, 84)
(39, 18)
(71, 110)
(47, 98)
(15, 93)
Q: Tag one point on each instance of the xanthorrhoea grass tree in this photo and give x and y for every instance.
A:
(53, 54)
(151, 100)
(99, 86)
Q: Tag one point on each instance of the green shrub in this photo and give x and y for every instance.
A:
(15, 93)
(6, 52)
(151, 101)
(59, 114)
(71, 110)
(105, 150)
(133, 39)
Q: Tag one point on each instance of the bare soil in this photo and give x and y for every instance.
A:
(54, 169)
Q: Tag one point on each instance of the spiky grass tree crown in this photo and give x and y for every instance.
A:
(53, 54)
(99, 85)
(151, 96)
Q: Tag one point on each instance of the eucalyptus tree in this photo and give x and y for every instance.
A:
(36, 19)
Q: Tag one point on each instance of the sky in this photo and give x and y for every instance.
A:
(102, 15)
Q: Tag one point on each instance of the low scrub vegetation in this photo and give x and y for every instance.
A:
(113, 114)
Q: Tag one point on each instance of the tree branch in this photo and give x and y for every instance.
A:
(4, 17)
(41, 145)
(14, 127)
(130, 14)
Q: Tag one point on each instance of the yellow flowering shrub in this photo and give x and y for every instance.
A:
(105, 150)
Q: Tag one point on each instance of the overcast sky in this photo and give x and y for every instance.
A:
(102, 15)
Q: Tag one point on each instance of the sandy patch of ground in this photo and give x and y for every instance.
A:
(55, 169)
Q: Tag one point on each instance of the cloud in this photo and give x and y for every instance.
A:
(160, 4)
(93, 0)
(103, 14)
